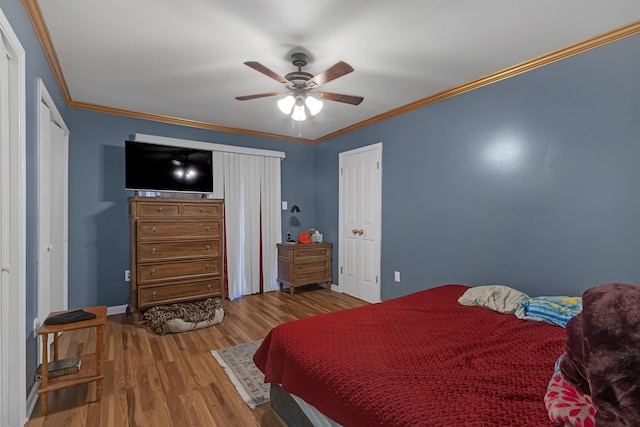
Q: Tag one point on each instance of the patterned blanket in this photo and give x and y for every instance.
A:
(158, 317)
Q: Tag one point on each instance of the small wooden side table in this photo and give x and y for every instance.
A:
(302, 264)
(91, 368)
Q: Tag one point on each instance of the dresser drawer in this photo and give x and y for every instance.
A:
(305, 267)
(149, 296)
(179, 229)
(201, 210)
(161, 251)
(148, 273)
(310, 252)
(158, 209)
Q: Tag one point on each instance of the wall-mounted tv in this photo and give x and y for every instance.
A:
(154, 167)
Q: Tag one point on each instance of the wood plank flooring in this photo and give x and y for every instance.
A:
(173, 380)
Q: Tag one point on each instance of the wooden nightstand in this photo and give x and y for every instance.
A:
(91, 368)
(303, 264)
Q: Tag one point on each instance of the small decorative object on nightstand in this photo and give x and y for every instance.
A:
(300, 264)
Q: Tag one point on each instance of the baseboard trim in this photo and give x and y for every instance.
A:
(32, 399)
(117, 309)
(335, 288)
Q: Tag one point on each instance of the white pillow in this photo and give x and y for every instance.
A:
(500, 298)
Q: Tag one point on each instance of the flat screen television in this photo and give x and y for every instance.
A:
(155, 167)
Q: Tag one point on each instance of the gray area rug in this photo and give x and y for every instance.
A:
(237, 362)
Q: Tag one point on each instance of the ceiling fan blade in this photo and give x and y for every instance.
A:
(267, 72)
(347, 99)
(332, 73)
(259, 95)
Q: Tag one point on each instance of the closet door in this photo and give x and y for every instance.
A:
(53, 154)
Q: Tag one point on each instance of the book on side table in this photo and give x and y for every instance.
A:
(58, 368)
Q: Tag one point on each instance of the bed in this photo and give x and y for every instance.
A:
(421, 359)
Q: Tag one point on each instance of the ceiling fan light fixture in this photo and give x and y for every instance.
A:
(286, 104)
(313, 104)
(298, 113)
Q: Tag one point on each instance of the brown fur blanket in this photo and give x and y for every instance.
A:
(603, 353)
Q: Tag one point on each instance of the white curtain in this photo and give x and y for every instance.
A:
(271, 221)
(252, 216)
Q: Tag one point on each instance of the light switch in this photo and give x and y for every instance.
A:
(397, 276)
(284, 205)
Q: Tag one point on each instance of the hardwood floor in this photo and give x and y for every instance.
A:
(173, 380)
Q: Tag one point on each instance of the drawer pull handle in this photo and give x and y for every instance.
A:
(324, 252)
(153, 272)
(153, 251)
(299, 253)
(153, 229)
(159, 209)
(154, 294)
(208, 228)
(200, 209)
(209, 287)
(208, 247)
(208, 267)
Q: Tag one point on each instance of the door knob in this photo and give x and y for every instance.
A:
(354, 231)
(360, 232)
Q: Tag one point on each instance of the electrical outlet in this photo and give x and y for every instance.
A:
(127, 275)
(35, 326)
(397, 276)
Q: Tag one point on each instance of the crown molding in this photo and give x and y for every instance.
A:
(557, 55)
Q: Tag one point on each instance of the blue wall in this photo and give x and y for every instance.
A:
(531, 182)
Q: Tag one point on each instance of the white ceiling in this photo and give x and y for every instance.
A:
(184, 58)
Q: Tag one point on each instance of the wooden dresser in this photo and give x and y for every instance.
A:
(303, 264)
(176, 250)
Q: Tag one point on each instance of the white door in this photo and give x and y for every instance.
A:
(12, 228)
(53, 149)
(360, 222)
(4, 234)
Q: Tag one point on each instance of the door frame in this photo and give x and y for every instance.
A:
(54, 115)
(341, 232)
(13, 347)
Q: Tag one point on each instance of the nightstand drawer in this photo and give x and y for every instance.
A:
(149, 296)
(161, 251)
(311, 277)
(148, 273)
(304, 267)
(310, 251)
(179, 229)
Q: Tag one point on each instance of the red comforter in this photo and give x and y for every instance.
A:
(421, 359)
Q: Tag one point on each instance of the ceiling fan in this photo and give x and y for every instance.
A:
(301, 84)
